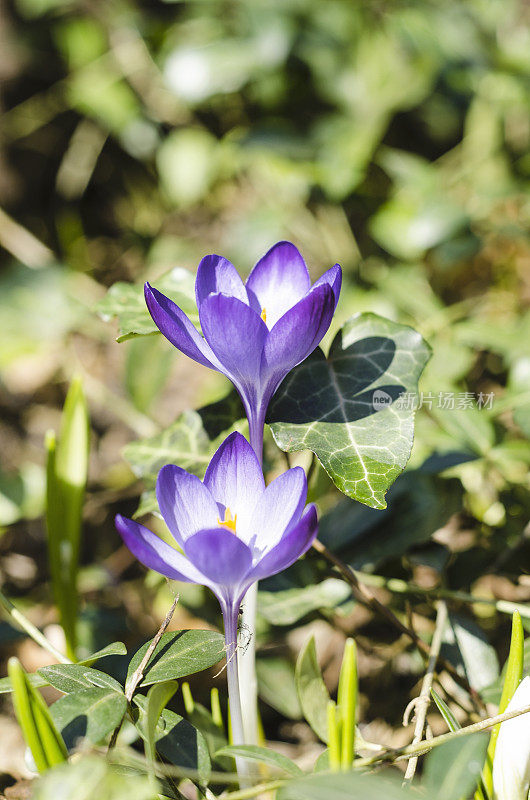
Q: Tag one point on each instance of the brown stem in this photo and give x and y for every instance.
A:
(138, 673)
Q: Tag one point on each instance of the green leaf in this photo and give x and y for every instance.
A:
(88, 713)
(263, 755)
(114, 649)
(450, 719)
(178, 740)
(72, 677)
(452, 770)
(92, 777)
(33, 716)
(189, 442)
(289, 605)
(214, 735)
(342, 786)
(35, 680)
(344, 408)
(513, 674)
(312, 691)
(467, 647)
(158, 697)
(66, 477)
(177, 654)
(277, 687)
(126, 302)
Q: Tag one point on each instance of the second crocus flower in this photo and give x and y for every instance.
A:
(253, 332)
(233, 531)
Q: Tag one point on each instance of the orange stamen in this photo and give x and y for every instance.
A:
(264, 314)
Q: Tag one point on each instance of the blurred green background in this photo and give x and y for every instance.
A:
(392, 137)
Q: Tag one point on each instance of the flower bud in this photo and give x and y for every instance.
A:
(511, 763)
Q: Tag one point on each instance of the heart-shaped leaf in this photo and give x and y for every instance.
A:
(177, 654)
(126, 302)
(189, 442)
(354, 410)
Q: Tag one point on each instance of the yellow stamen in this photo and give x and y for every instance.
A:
(228, 522)
(264, 314)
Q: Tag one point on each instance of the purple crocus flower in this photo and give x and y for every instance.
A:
(233, 530)
(254, 332)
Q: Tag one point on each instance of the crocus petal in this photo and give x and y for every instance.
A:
(216, 274)
(298, 332)
(236, 334)
(278, 281)
(175, 325)
(511, 763)
(279, 507)
(155, 553)
(219, 555)
(235, 480)
(185, 503)
(333, 277)
(291, 546)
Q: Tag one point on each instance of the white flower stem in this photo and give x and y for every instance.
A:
(248, 683)
(230, 615)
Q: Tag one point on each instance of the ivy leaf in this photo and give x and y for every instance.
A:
(88, 713)
(177, 654)
(126, 302)
(344, 408)
(189, 442)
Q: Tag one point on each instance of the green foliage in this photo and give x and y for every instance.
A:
(312, 691)
(125, 301)
(40, 733)
(513, 674)
(342, 786)
(93, 777)
(89, 714)
(66, 478)
(178, 654)
(69, 678)
(172, 736)
(290, 605)
(452, 770)
(263, 755)
(344, 408)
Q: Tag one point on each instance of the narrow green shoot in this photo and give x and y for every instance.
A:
(333, 737)
(445, 711)
(189, 703)
(512, 679)
(217, 714)
(66, 477)
(347, 703)
(41, 736)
